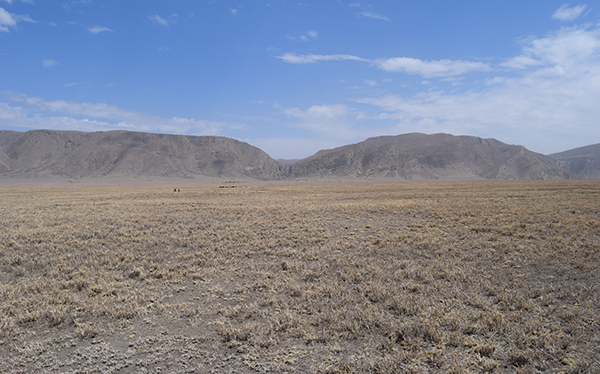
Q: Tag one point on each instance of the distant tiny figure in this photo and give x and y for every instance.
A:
(178, 190)
(175, 190)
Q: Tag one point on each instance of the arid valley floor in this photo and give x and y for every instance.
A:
(448, 277)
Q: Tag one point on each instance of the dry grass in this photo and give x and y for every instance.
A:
(479, 277)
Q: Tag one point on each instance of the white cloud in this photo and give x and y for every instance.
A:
(550, 104)
(495, 80)
(158, 19)
(293, 58)
(564, 13)
(521, 62)
(49, 63)
(23, 1)
(72, 84)
(19, 18)
(319, 111)
(6, 20)
(162, 21)
(370, 82)
(234, 12)
(565, 52)
(310, 35)
(374, 16)
(427, 69)
(36, 112)
(98, 29)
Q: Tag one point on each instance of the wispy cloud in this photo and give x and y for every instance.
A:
(162, 21)
(99, 29)
(373, 15)
(6, 20)
(158, 20)
(293, 58)
(9, 20)
(427, 69)
(310, 35)
(67, 6)
(23, 1)
(545, 98)
(35, 112)
(555, 98)
(49, 63)
(565, 13)
(521, 62)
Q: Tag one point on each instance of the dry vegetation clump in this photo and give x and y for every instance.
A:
(478, 277)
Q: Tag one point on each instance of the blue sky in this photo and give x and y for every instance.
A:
(294, 77)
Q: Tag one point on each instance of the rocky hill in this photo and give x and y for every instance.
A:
(429, 157)
(584, 162)
(72, 154)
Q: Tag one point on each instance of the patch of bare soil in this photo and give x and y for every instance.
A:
(453, 277)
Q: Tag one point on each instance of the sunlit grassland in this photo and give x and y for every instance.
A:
(481, 277)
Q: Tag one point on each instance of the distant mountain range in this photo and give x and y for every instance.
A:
(78, 155)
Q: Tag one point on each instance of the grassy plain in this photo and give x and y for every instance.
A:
(465, 277)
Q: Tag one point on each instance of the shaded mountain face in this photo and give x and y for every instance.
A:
(584, 162)
(72, 154)
(429, 157)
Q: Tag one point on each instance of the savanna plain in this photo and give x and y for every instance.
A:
(448, 277)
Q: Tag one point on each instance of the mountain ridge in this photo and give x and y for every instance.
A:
(581, 161)
(74, 155)
(417, 156)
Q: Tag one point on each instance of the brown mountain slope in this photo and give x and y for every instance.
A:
(429, 157)
(72, 154)
(582, 161)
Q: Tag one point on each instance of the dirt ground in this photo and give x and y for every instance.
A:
(402, 277)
